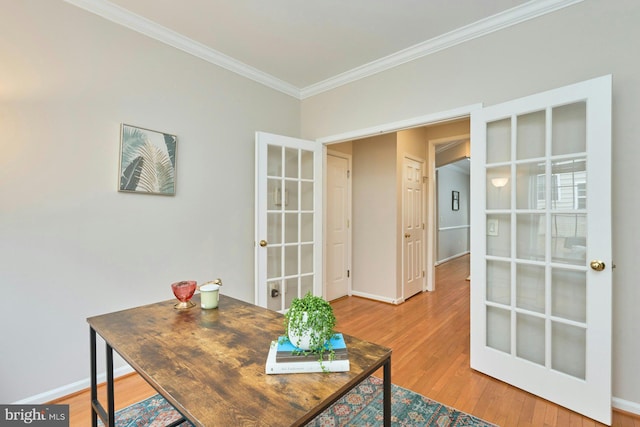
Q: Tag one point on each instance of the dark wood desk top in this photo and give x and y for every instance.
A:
(210, 364)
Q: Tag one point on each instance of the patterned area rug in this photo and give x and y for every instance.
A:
(362, 406)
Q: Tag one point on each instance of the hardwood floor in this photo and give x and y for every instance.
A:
(429, 335)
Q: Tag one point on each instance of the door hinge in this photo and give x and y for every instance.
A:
(423, 225)
(348, 174)
(348, 273)
(424, 179)
(423, 273)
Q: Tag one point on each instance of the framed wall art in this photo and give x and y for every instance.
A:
(147, 161)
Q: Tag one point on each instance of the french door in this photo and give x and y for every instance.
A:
(288, 237)
(541, 245)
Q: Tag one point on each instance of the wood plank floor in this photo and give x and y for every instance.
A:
(429, 335)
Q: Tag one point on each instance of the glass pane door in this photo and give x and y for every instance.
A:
(541, 241)
(288, 258)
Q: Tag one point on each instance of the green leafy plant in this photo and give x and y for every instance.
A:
(311, 316)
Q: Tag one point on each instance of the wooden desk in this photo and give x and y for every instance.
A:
(210, 365)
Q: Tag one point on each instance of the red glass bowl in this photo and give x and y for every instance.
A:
(184, 291)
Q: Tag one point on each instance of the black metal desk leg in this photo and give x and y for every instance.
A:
(110, 394)
(94, 377)
(386, 391)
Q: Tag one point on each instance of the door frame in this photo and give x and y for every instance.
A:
(348, 157)
(419, 121)
(432, 204)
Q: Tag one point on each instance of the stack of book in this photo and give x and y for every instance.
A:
(285, 358)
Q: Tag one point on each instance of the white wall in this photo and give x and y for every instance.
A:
(453, 226)
(71, 246)
(586, 40)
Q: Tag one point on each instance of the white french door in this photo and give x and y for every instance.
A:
(288, 237)
(541, 245)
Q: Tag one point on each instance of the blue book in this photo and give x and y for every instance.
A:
(287, 352)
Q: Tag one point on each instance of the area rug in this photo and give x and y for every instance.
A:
(362, 406)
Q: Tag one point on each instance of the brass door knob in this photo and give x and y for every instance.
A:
(263, 243)
(407, 235)
(597, 265)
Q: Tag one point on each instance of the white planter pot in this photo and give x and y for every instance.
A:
(302, 341)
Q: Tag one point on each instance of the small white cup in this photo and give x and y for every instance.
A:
(209, 296)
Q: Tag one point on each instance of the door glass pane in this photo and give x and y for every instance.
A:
(306, 258)
(292, 291)
(499, 188)
(306, 164)
(530, 293)
(568, 349)
(499, 235)
(306, 284)
(530, 186)
(291, 195)
(569, 294)
(291, 260)
(499, 282)
(274, 262)
(530, 236)
(306, 190)
(569, 129)
(291, 165)
(499, 141)
(530, 338)
(274, 160)
(499, 329)
(530, 142)
(569, 189)
(306, 227)
(569, 238)
(274, 194)
(274, 303)
(274, 228)
(291, 230)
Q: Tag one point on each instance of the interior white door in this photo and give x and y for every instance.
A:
(412, 227)
(541, 245)
(337, 225)
(288, 219)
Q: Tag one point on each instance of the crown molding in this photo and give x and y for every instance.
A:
(516, 15)
(122, 16)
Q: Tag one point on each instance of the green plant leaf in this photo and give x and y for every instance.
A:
(131, 175)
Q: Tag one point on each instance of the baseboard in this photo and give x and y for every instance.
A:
(68, 389)
(441, 261)
(626, 406)
(376, 297)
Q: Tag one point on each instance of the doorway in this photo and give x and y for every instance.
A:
(383, 244)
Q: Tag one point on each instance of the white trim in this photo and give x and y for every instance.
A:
(68, 389)
(142, 25)
(625, 405)
(428, 119)
(442, 261)
(454, 227)
(378, 298)
(516, 15)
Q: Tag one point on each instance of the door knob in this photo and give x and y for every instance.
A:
(263, 243)
(407, 235)
(597, 265)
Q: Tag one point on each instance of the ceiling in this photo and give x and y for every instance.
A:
(305, 47)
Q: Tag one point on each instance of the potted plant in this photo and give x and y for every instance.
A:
(309, 324)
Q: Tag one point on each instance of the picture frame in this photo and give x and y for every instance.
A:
(455, 200)
(147, 161)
